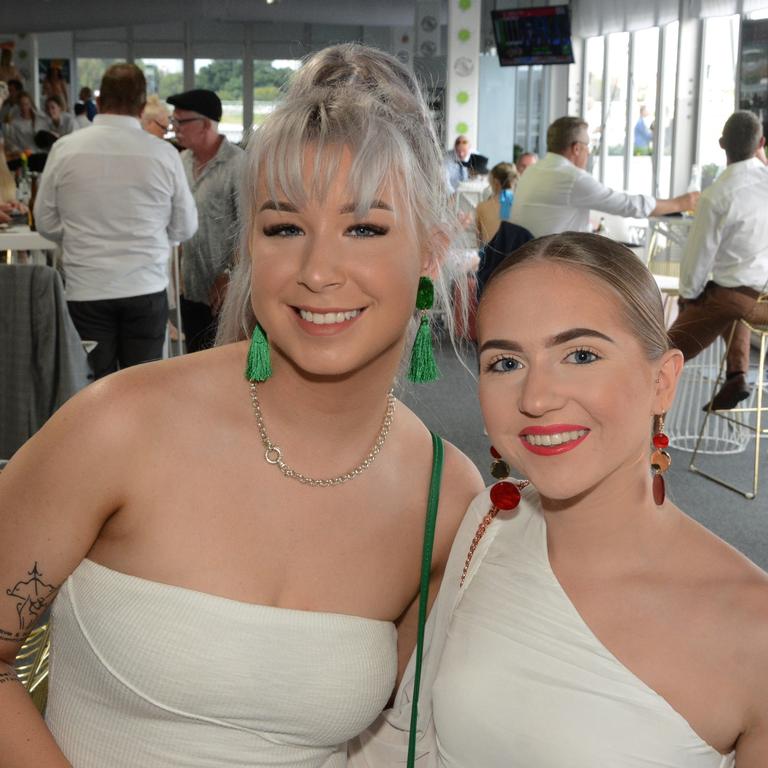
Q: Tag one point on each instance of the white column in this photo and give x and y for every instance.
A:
(463, 81)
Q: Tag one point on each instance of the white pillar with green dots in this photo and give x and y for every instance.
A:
(463, 81)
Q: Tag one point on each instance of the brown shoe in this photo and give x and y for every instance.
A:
(730, 394)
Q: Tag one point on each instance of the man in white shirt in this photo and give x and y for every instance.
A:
(725, 262)
(116, 197)
(556, 194)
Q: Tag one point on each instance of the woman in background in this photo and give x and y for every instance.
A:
(491, 212)
(20, 131)
(60, 122)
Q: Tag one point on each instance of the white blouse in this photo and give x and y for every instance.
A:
(524, 682)
(151, 675)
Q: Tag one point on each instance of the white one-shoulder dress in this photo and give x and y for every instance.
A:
(151, 675)
(524, 683)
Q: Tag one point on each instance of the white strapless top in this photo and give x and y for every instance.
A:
(149, 675)
(524, 683)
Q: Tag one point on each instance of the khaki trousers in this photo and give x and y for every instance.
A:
(703, 319)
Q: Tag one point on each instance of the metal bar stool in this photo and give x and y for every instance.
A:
(757, 404)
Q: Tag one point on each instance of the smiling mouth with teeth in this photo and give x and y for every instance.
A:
(557, 438)
(328, 318)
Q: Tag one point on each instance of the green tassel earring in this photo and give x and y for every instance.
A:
(259, 367)
(423, 366)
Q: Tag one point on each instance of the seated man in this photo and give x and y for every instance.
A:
(524, 161)
(461, 164)
(556, 194)
(729, 240)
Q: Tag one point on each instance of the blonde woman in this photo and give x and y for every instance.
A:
(258, 608)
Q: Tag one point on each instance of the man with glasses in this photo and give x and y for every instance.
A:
(213, 166)
(557, 194)
(115, 198)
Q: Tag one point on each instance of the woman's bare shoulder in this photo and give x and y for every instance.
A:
(135, 404)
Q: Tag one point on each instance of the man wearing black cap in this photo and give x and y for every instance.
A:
(213, 167)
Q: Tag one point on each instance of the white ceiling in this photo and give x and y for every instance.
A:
(18, 16)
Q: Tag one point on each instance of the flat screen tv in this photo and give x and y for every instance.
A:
(533, 35)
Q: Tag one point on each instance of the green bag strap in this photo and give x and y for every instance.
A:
(426, 567)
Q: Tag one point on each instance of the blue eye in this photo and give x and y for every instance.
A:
(282, 230)
(504, 365)
(583, 356)
(366, 230)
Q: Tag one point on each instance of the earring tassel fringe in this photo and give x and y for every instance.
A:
(423, 365)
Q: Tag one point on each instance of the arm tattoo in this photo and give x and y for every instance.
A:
(31, 597)
(8, 677)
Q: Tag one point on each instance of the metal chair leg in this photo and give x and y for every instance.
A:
(757, 410)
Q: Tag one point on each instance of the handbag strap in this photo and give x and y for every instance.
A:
(426, 568)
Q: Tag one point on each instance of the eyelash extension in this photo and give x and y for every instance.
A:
(588, 350)
(488, 368)
(276, 229)
(375, 228)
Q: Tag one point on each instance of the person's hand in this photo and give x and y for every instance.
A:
(689, 201)
(13, 205)
(218, 293)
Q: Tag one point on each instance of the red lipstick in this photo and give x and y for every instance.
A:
(567, 444)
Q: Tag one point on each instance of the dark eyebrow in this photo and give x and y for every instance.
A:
(553, 341)
(351, 207)
(278, 205)
(283, 205)
(576, 333)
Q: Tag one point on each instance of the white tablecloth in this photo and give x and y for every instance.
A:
(23, 239)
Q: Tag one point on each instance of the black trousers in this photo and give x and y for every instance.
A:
(198, 324)
(128, 331)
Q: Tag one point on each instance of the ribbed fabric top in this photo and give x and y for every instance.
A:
(147, 674)
(523, 681)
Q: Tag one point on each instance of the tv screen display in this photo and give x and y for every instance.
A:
(533, 35)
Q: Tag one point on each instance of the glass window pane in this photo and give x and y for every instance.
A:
(665, 123)
(643, 116)
(616, 117)
(521, 110)
(537, 109)
(594, 95)
(225, 78)
(90, 72)
(718, 91)
(268, 78)
(164, 76)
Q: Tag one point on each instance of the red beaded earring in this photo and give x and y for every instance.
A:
(504, 495)
(660, 459)
(499, 467)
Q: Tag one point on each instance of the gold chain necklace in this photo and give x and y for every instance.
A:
(273, 454)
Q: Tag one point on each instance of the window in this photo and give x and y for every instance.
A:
(225, 78)
(268, 78)
(164, 76)
(90, 72)
(594, 95)
(718, 91)
(615, 138)
(642, 116)
(665, 123)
